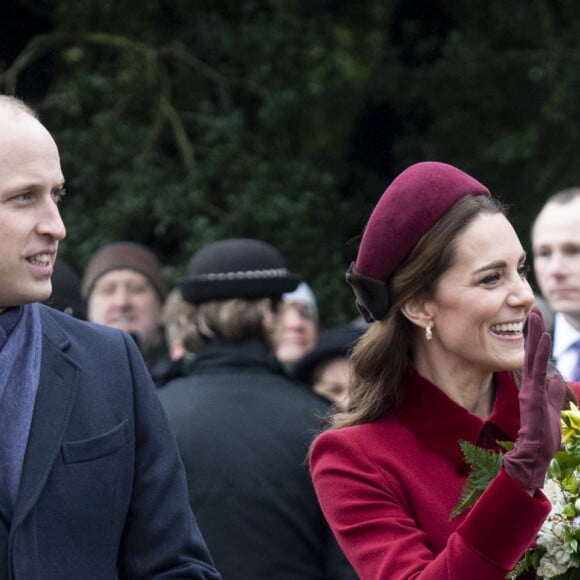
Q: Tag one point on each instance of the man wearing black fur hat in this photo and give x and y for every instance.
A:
(244, 427)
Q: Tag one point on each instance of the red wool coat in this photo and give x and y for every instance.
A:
(387, 489)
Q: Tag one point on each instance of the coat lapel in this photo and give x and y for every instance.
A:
(54, 401)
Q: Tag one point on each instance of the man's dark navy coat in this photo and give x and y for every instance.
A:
(103, 494)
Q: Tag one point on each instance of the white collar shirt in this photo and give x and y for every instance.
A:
(565, 350)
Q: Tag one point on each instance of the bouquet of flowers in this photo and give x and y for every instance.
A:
(556, 553)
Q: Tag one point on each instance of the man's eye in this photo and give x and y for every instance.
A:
(58, 194)
(572, 251)
(22, 196)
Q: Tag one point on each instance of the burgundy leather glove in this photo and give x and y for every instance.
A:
(539, 436)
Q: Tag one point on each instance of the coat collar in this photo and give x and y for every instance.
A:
(221, 356)
(441, 423)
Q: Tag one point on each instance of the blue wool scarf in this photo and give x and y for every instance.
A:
(20, 350)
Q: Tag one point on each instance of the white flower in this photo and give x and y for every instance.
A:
(558, 542)
(551, 534)
(554, 493)
(561, 557)
(550, 569)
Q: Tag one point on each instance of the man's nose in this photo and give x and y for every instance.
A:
(50, 221)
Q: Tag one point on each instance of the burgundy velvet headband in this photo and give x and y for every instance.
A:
(406, 211)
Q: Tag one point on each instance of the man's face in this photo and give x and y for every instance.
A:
(556, 248)
(126, 299)
(296, 332)
(31, 185)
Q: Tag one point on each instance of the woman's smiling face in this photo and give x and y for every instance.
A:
(481, 303)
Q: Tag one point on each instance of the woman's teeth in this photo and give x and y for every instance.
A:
(509, 327)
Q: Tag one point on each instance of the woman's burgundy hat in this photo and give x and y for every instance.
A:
(406, 211)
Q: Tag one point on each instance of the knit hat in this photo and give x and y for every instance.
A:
(236, 268)
(121, 256)
(406, 211)
(302, 295)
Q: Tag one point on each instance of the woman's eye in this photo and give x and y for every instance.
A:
(491, 279)
(524, 270)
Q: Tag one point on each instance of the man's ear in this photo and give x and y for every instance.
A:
(419, 311)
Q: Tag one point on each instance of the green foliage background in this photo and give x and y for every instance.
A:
(182, 122)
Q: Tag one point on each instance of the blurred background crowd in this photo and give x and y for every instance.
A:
(182, 123)
(271, 126)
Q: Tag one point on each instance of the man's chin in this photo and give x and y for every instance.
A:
(121, 325)
(569, 305)
(38, 294)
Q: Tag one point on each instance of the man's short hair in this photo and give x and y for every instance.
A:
(562, 197)
(17, 105)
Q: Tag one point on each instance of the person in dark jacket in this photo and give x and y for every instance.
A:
(91, 482)
(66, 290)
(243, 427)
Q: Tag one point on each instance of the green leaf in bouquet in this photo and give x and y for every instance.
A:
(569, 511)
(485, 465)
(506, 445)
(529, 561)
(570, 483)
(567, 460)
(554, 469)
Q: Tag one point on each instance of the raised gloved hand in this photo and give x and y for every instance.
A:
(539, 436)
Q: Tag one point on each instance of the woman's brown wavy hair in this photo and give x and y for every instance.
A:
(383, 353)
